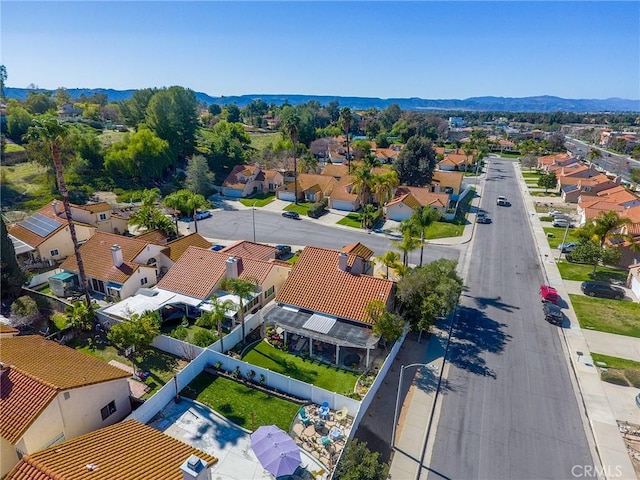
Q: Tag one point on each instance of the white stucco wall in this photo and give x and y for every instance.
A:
(62, 242)
(398, 212)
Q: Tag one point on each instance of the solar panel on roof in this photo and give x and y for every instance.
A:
(40, 225)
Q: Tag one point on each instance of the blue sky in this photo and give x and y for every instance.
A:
(380, 49)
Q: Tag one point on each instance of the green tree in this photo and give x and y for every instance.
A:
(203, 338)
(187, 202)
(18, 122)
(422, 218)
(416, 162)
(13, 277)
(592, 253)
(367, 216)
(137, 332)
(3, 81)
(25, 309)
(199, 178)
(383, 186)
(594, 155)
(149, 216)
(134, 109)
(635, 153)
(362, 183)
(243, 288)
(38, 103)
(308, 163)
(385, 324)
(172, 116)
(216, 317)
(79, 317)
(428, 292)
(48, 133)
(228, 144)
(548, 181)
(635, 175)
(141, 155)
(346, 119)
(359, 463)
(409, 241)
(390, 259)
(291, 128)
(62, 96)
(606, 225)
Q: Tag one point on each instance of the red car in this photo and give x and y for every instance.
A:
(549, 294)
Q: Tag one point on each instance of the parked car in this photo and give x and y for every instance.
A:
(567, 247)
(602, 290)
(502, 201)
(294, 215)
(549, 294)
(282, 250)
(482, 218)
(202, 214)
(638, 400)
(554, 213)
(552, 313)
(561, 223)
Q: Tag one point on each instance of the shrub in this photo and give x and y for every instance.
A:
(316, 210)
(203, 338)
(180, 332)
(546, 219)
(614, 376)
(633, 376)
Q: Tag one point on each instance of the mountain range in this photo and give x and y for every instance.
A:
(543, 103)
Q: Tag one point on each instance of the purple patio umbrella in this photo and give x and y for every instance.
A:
(276, 450)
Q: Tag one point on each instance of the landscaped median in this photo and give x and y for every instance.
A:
(611, 316)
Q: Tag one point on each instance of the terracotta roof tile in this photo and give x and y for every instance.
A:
(424, 196)
(440, 176)
(335, 170)
(153, 236)
(4, 328)
(23, 399)
(198, 272)
(177, 247)
(127, 450)
(55, 365)
(98, 261)
(246, 249)
(316, 283)
(232, 180)
(359, 250)
(93, 207)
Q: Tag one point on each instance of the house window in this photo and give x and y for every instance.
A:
(108, 410)
(67, 395)
(143, 281)
(269, 292)
(103, 216)
(54, 252)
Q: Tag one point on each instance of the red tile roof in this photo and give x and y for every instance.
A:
(246, 249)
(93, 207)
(177, 247)
(23, 399)
(198, 272)
(125, 451)
(316, 283)
(359, 250)
(233, 180)
(424, 196)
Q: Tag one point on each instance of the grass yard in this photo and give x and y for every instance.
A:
(293, 259)
(260, 140)
(161, 365)
(12, 147)
(306, 370)
(244, 406)
(258, 200)
(351, 220)
(581, 273)
(192, 330)
(611, 316)
(443, 230)
(618, 370)
(26, 185)
(530, 176)
(558, 235)
(302, 208)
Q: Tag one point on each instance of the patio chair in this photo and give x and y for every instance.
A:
(304, 418)
(341, 415)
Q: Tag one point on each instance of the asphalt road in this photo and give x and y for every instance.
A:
(509, 410)
(612, 162)
(272, 227)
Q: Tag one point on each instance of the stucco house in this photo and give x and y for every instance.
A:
(246, 180)
(43, 239)
(324, 302)
(100, 215)
(633, 280)
(126, 450)
(586, 186)
(342, 196)
(408, 199)
(457, 161)
(312, 187)
(447, 182)
(52, 393)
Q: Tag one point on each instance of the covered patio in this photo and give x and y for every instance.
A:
(327, 338)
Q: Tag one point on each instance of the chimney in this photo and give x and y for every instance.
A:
(233, 267)
(116, 255)
(358, 266)
(194, 468)
(342, 261)
(54, 204)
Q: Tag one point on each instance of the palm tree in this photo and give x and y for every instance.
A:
(149, 216)
(422, 217)
(362, 183)
(383, 186)
(389, 259)
(346, 118)
(79, 316)
(594, 154)
(187, 202)
(50, 133)
(408, 242)
(216, 316)
(367, 215)
(243, 288)
(291, 126)
(308, 163)
(605, 226)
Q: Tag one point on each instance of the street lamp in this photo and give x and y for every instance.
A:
(253, 219)
(564, 238)
(395, 415)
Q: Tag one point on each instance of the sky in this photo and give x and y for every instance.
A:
(398, 49)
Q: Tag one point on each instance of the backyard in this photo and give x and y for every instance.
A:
(245, 406)
(611, 316)
(304, 369)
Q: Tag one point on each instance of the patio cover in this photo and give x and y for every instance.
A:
(341, 333)
(150, 300)
(19, 246)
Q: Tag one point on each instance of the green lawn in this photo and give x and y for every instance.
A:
(443, 230)
(169, 329)
(351, 220)
(530, 175)
(581, 273)
(558, 235)
(12, 147)
(293, 259)
(302, 208)
(310, 371)
(611, 316)
(258, 200)
(162, 366)
(509, 155)
(260, 140)
(244, 406)
(25, 185)
(615, 362)
(619, 371)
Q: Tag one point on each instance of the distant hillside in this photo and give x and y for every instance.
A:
(543, 103)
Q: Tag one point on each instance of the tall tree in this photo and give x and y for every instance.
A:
(3, 81)
(422, 218)
(346, 119)
(187, 202)
(216, 317)
(50, 133)
(291, 127)
(18, 122)
(149, 216)
(383, 186)
(12, 275)
(199, 178)
(137, 332)
(362, 183)
(409, 241)
(416, 162)
(607, 225)
(390, 259)
(135, 108)
(243, 288)
(594, 156)
(385, 324)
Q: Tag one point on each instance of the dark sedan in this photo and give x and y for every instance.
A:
(602, 290)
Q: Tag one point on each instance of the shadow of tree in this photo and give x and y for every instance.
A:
(495, 302)
(474, 334)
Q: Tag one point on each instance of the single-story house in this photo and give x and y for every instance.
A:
(342, 198)
(457, 161)
(52, 393)
(408, 199)
(312, 187)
